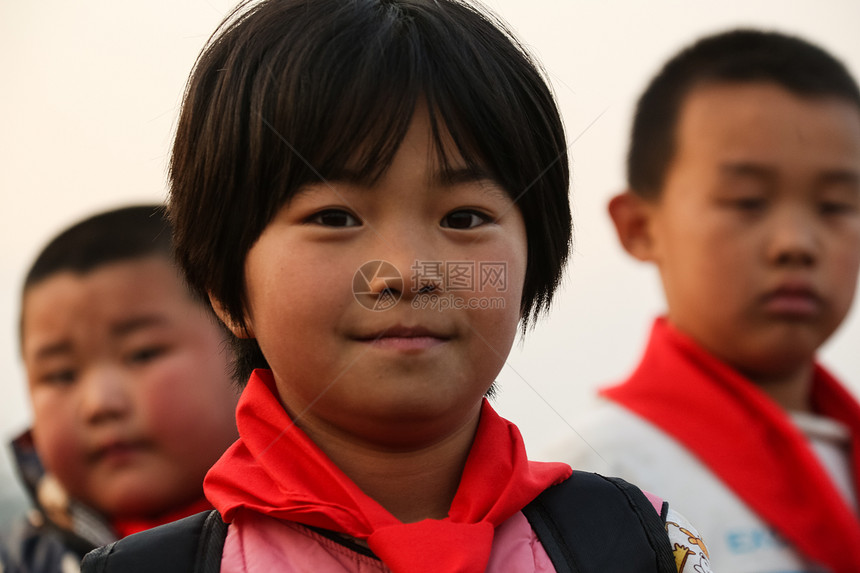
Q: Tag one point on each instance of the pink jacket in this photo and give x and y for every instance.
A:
(259, 544)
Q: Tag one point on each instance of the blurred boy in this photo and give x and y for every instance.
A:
(130, 387)
(744, 191)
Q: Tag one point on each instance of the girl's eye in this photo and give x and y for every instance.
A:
(334, 218)
(465, 219)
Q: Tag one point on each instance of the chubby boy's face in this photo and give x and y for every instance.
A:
(402, 367)
(129, 385)
(757, 230)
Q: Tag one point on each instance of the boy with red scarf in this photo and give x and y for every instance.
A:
(373, 194)
(130, 387)
(744, 191)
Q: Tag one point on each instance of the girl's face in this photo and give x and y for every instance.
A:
(367, 351)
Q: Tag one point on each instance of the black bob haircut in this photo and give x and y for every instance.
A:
(287, 92)
(109, 237)
(734, 57)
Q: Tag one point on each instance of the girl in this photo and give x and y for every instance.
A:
(342, 172)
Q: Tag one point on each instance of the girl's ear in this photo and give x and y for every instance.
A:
(239, 330)
(632, 216)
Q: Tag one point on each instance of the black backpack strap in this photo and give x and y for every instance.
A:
(594, 524)
(211, 546)
(190, 545)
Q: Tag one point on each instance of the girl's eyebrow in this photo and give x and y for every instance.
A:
(444, 177)
(343, 175)
(451, 176)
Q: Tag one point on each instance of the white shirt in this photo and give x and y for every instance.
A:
(614, 441)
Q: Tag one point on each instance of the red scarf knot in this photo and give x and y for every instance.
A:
(275, 469)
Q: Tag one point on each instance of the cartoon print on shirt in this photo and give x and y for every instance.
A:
(681, 554)
(693, 558)
(703, 566)
(695, 540)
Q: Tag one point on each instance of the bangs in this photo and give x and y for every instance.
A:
(326, 110)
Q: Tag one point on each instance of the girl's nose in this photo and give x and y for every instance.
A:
(377, 285)
(384, 277)
(415, 260)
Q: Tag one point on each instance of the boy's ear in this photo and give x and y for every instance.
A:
(238, 330)
(632, 216)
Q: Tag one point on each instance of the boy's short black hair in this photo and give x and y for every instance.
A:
(289, 92)
(109, 237)
(734, 57)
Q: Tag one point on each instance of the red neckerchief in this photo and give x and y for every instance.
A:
(747, 440)
(276, 470)
(124, 527)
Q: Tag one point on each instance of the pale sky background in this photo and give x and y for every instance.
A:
(89, 99)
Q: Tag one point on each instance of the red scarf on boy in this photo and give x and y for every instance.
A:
(276, 470)
(124, 527)
(772, 468)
